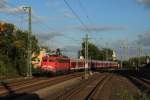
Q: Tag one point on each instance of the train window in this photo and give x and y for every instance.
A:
(51, 60)
(63, 60)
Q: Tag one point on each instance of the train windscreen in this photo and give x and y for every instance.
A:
(63, 60)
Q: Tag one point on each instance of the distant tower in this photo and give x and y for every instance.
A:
(147, 61)
(114, 57)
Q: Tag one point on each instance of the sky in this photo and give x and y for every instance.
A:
(64, 23)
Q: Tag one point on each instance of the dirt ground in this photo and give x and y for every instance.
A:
(117, 88)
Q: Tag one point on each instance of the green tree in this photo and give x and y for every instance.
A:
(95, 53)
(107, 53)
(13, 49)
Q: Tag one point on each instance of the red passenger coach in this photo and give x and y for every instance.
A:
(105, 64)
(76, 64)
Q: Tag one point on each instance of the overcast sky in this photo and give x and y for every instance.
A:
(111, 22)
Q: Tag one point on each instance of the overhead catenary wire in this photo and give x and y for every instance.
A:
(16, 14)
(42, 24)
(54, 30)
(51, 28)
(86, 42)
(77, 16)
(84, 11)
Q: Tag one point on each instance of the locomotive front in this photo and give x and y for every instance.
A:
(48, 64)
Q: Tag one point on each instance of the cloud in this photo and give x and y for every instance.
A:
(53, 3)
(124, 49)
(97, 28)
(52, 44)
(72, 48)
(68, 14)
(11, 10)
(39, 19)
(5, 8)
(144, 2)
(3, 3)
(48, 36)
(48, 39)
(144, 39)
(51, 40)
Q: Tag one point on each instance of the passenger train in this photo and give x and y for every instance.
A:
(60, 63)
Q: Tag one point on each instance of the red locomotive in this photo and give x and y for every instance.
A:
(55, 63)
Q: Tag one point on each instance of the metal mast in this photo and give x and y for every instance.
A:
(86, 56)
(29, 67)
(140, 55)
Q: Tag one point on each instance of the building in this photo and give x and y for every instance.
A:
(1, 26)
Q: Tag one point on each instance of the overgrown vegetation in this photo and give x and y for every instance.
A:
(13, 50)
(125, 95)
(134, 62)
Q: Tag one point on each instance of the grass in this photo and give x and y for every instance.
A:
(126, 95)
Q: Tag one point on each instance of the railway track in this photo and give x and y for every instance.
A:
(143, 84)
(94, 94)
(89, 90)
(145, 80)
(29, 86)
(19, 82)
